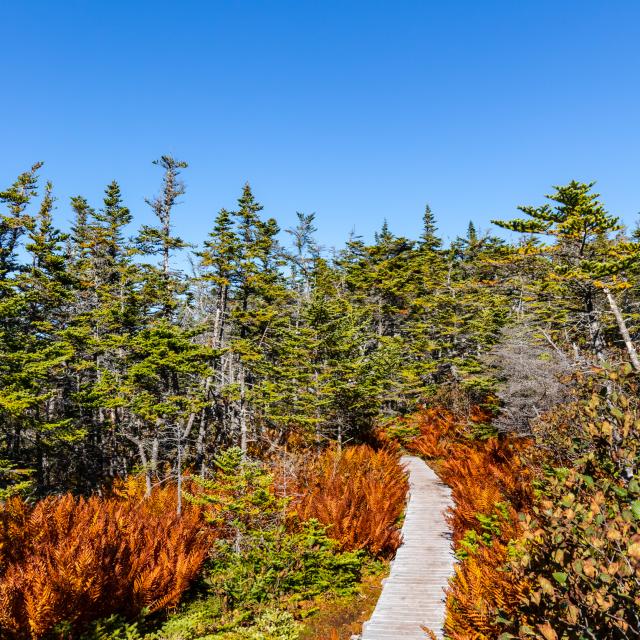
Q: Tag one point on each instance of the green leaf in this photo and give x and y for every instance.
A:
(560, 577)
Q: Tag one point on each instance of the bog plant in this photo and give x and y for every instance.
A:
(358, 493)
(68, 560)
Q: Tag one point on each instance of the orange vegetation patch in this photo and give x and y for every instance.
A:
(490, 485)
(78, 559)
(359, 493)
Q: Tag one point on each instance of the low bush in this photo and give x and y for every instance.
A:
(547, 530)
(580, 548)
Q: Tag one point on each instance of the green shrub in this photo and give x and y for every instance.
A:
(114, 627)
(276, 564)
(581, 554)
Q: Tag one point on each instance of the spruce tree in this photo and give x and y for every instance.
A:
(159, 240)
(39, 357)
(588, 266)
(429, 237)
(16, 222)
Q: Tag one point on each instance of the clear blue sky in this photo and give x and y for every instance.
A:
(358, 111)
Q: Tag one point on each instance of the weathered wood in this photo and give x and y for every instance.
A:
(413, 594)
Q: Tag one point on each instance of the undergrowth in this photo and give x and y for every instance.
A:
(242, 561)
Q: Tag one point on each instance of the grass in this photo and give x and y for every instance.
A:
(346, 614)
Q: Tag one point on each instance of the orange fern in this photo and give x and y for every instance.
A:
(85, 558)
(358, 493)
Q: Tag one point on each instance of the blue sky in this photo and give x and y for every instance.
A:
(359, 111)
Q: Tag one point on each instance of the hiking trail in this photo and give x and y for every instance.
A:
(413, 594)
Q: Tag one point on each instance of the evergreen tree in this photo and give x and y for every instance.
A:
(587, 264)
(113, 360)
(159, 239)
(16, 222)
(429, 237)
(38, 352)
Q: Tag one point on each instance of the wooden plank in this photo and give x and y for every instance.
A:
(413, 594)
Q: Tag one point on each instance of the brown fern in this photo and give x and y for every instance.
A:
(86, 558)
(358, 493)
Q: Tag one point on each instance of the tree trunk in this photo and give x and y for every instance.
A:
(595, 330)
(145, 466)
(179, 465)
(243, 414)
(624, 332)
(153, 462)
(202, 434)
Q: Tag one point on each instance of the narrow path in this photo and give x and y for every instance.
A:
(413, 594)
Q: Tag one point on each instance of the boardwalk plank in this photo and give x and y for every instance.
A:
(413, 594)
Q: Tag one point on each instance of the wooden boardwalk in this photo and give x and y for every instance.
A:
(413, 594)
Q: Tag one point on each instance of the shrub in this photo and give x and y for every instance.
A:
(262, 563)
(581, 542)
(300, 565)
(239, 498)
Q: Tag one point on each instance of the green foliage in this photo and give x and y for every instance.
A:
(581, 553)
(14, 481)
(482, 430)
(259, 565)
(113, 628)
(490, 527)
(239, 499)
(275, 564)
(112, 359)
(579, 262)
(196, 624)
(401, 432)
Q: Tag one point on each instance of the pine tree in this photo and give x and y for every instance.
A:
(108, 225)
(159, 239)
(39, 357)
(306, 252)
(17, 222)
(587, 264)
(429, 237)
(219, 261)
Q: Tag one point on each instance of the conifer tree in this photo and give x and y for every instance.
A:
(429, 237)
(219, 261)
(306, 252)
(587, 265)
(16, 222)
(159, 239)
(259, 296)
(39, 358)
